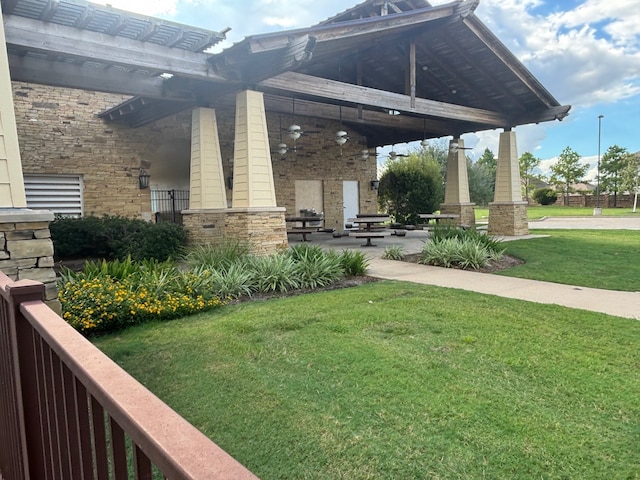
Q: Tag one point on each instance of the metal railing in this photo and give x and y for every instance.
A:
(68, 412)
(168, 205)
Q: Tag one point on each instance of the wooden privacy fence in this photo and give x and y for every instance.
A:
(68, 412)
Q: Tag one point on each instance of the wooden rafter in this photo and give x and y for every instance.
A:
(344, 92)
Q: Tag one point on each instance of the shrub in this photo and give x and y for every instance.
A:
(444, 231)
(545, 196)
(273, 273)
(315, 268)
(96, 302)
(115, 237)
(354, 262)
(217, 256)
(393, 252)
(450, 246)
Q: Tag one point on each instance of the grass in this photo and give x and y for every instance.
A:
(538, 212)
(393, 380)
(608, 259)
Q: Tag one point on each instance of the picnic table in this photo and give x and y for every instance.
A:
(304, 230)
(437, 217)
(371, 228)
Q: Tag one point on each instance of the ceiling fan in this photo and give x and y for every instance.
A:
(455, 146)
(392, 155)
(294, 131)
(282, 148)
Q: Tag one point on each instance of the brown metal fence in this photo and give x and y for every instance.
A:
(168, 205)
(68, 412)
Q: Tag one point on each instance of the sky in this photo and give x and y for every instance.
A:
(585, 52)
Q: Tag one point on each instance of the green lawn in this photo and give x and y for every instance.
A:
(538, 212)
(392, 380)
(608, 259)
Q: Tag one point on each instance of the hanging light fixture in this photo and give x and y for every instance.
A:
(424, 143)
(341, 136)
(294, 131)
(282, 147)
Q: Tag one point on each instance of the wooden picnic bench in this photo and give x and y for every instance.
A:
(369, 234)
(301, 231)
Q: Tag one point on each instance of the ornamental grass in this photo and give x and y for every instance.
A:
(110, 296)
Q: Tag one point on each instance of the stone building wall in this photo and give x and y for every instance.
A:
(59, 133)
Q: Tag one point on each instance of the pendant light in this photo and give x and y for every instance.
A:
(341, 136)
(294, 131)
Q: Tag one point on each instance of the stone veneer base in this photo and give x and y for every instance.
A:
(465, 210)
(27, 249)
(508, 219)
(263, 229)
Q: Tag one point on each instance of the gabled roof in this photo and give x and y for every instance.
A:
(439, 67)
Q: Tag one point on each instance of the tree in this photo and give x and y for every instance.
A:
(488, 160)
(545, 196)
(482, 178)
(528, 176)
(611, 166)
(437, 151)
(568, 170)
(630, 177)
(481, 183)
(410, 186)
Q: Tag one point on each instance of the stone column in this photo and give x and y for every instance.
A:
(456, 194)
(254, 218)
(27, 248)
(508, 212)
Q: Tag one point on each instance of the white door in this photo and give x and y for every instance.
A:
(350, 199)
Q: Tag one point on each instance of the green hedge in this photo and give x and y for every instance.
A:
(115, 237)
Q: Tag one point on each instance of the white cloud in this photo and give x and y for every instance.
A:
(584, 56)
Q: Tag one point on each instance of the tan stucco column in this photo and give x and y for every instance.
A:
(508, 212)
(207, 188)
(252, 170)
(11, 181)
(254, 218)
(456, 193)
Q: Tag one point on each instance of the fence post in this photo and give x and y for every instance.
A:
(26, 396)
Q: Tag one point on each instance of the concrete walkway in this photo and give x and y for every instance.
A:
(622, 304)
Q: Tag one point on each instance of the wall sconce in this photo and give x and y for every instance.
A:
(230, 182)
(375, 184)
(143, 179)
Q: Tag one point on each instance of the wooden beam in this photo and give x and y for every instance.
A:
(63, 74)
(298, 83)
(350, 116)
(96, 47)
(349, 29)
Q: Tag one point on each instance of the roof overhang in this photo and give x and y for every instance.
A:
(439, 67)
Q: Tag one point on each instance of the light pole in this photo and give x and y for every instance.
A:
(598, 210)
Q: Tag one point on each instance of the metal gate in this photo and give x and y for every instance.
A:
(167, 205)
